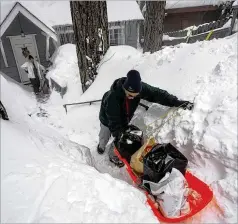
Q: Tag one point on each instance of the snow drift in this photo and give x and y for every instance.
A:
(47, 178)
(204, 73)
(65, 71)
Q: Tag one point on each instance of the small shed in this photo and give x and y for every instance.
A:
(22, 32)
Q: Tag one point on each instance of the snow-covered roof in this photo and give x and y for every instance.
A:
(235, 3)
(171, 4)
(123, 10)
(58, 12)
(7, 16)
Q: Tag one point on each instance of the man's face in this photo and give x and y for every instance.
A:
(130, 95)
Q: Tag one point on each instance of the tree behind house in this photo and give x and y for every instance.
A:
(90, 24)
(153, 31)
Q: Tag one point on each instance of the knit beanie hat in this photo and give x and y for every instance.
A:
(133, 82)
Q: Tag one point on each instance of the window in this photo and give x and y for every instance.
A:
(116, 35)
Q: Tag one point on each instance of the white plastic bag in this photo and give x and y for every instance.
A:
(171, 193)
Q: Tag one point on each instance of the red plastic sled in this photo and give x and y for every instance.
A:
(196, 204)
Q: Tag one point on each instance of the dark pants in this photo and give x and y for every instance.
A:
(35, 84)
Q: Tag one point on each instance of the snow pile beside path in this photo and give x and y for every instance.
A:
(16, 108)
(117, 60)
(203, 72)
(47, 178)
(66, 73)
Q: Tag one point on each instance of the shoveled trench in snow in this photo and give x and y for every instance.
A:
(204, 72)
(48, 178)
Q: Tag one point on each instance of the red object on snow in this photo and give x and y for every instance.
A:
(196, 204)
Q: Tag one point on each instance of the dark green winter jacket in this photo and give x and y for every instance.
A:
(113, 113)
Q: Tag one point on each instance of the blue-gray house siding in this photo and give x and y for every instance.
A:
(14, 30)
(131, 32)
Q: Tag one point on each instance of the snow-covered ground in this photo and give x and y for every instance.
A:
(65, 71)
(47, 178)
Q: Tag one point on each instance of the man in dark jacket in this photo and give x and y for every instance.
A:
(120, 102)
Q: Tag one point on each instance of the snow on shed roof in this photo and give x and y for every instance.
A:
(58, 12)
(7, 16)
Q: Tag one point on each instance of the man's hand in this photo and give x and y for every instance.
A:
(118, 134)
(186, 105)
(117, 139)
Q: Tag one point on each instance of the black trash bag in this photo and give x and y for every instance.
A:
(130, 142)
(160, 160)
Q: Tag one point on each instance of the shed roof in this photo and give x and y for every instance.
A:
(54, 13)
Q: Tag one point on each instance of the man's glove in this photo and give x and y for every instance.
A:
(118, 134)
(117, 138)
(186, 105)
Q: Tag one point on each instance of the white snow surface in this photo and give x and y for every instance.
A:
(123, 10)
(65, 71)
(47, 178)
(203, 72)
(58, 12)
(235, 3)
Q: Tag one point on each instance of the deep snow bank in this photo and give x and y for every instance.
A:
(65, 72)
(47, 178)
(203, 72)
(115, 63)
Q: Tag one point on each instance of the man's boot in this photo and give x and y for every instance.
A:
(100, 150)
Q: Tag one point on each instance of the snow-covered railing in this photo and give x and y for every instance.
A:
(95, 101)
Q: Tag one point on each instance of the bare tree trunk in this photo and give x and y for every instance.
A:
(90, 24)
(154, 19)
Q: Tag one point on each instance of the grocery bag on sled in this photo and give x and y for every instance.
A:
(160, 160)
(199, 196)
(171, 194)
(136, 162)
